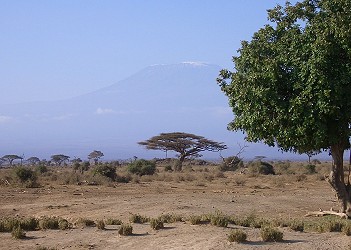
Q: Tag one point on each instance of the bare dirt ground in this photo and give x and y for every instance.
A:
(258, 195)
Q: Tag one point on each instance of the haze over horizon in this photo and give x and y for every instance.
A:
(62, 50)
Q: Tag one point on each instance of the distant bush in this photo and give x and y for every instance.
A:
(106, 170)
(168, 168)
(156, 224)
(100, 224)
(231, 163)
(310, 169)
(18, 233)
(261, 167)
(125, 230)
(142, 167)
(111, 221)
(24, 174)
(237, 235)
(270, 234)
(41, 169)
(137, 218)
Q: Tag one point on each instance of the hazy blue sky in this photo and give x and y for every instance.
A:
(62, 48)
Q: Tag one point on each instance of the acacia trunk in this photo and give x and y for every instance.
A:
(337, 179)
(179, 164)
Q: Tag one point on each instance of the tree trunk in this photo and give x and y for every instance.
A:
(179, 164)
(337, 179)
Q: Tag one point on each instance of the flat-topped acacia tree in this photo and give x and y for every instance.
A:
(185, 144)
(291, 84)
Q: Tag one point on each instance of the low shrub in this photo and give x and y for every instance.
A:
(310, 169)
(125, 230)
(84, 222)
(170, 218)
(261, 167)
(100, 224)
(137, 218)
(63, 224)
(111, 221)
(237, 235)
(195, 219)
(105, 170)
(297, 225)
(49, 223)
(41, 169)
(18, 233)
(219, 221)
(270, 234)
(156, 224)
(346, 228)
(142, 167)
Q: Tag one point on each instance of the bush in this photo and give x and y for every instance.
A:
(237, 235)
(346, 228)
(168, 168)
(63, 224)
(231, 163)
(219, 221)
(170, 218)
(156, 224)
(297, 225)
(111, 221)
(49, 223)
(269, 234)
(195, 219)
(260, 167)
(84, 222)
(100, 224)
(106, 170)
(41, 169)
(24, 174)
(142, 167)
(18, 233)
(137, 218)
(125, 229)
(310, 169)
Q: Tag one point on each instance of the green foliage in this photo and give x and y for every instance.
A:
(125, 230)
(297, 225)
(106, 170)
(24, 174)
(63, 224)
(49, 223)
(261, 167)
(111, 221)
(346, 229)
(168, 168)
(237, 235)
(170, 218)
(195, 219)
(218, 219)
(137, 218)
(142, 167)
(41, 169)
(156, 224)
(84, 222)
(310, 169)
(270, 234)
(18, 233)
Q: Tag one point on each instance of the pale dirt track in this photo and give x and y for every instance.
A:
(152, 199)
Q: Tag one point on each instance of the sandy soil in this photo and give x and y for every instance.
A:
(257, 195)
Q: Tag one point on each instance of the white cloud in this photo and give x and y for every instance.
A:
(4, 118)
(101, 111)
(62, 117)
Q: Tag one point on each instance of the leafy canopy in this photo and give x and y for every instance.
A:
(291, 83)
(187, 145)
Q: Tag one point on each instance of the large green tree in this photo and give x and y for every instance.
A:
(185, 144)
(291, 84)
(12, 158)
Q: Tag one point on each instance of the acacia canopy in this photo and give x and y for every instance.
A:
(291, 84)
(185, 144)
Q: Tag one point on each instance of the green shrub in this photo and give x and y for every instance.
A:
(195, 219)
(106, 170)
(125, 229)
(297, 225)
(142, 167)
(270, 234)
(137, 218)
(237, 235)
(260, 167)
(156, 224)
(168, 168)
(231, 163)
(41, 169)
(111, 221)
(29, 224)
(100, 224)
(24, 174)
(346, 228)
(63, 224)
(310, 169)
(170, 218)
(18, 233)
(84, 222)
(49, 223)
(219, 221)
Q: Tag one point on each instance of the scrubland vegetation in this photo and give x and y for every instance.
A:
(197, 173)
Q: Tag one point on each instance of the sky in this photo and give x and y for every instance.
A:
(58, 49)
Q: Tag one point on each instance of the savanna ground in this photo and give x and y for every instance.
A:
(196, 191)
